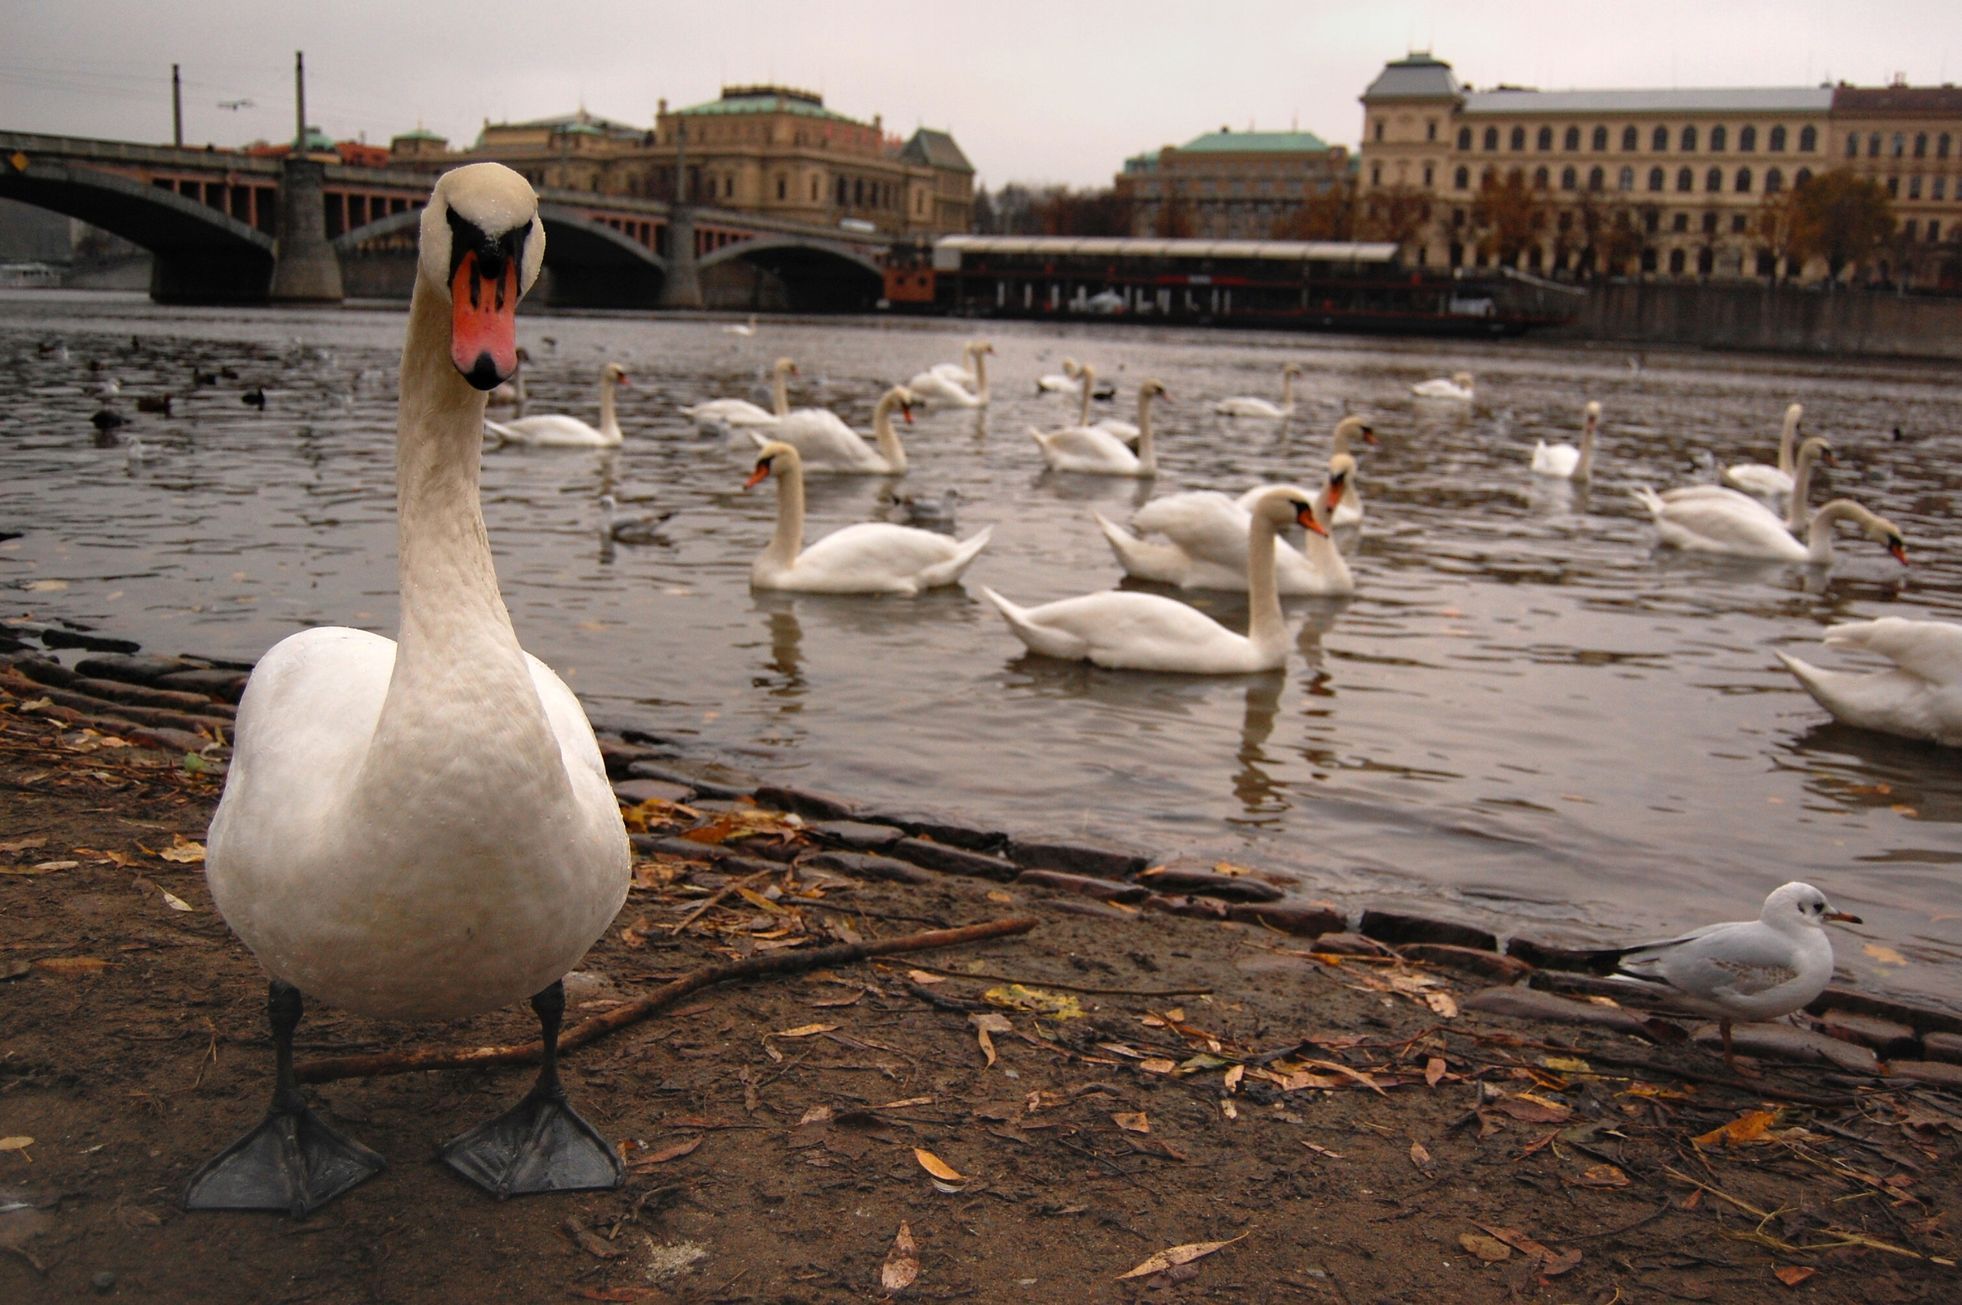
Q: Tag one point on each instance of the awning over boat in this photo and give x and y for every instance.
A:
(948, 250)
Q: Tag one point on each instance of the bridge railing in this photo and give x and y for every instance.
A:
(114, 151)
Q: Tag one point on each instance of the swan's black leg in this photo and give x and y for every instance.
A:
(541, 1144)
(292, 1161)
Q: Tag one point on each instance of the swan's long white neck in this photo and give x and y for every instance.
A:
(1788, 439)
(884, 435)
(609, 423)
(1287, 391)
(780, 391)
(1265, 629)
(1586, 463)
(980, 374)
(1796, 511)
(1147, 451)
(787, 469)
(457, 652)
(1819, 535)
(1088, 380)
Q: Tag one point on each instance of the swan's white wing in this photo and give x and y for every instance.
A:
(554, 430)
(1758, 478)
(1129, 631)
(1202, 522)
(1555, 459)
(879, 552)
(1725, 521)
(1931, 650)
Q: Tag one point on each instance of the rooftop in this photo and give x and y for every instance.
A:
(1224, 141)
(1414, 77)
(1747, 99)
(935, 149)
(1946, 100)
(766, 99)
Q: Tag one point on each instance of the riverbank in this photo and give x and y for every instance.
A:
(1172, 1056)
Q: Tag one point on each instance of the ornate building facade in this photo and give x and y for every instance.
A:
(769, 150)
(1674, 183)
(1227, 184)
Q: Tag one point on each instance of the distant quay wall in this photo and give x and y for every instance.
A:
(1781, 319)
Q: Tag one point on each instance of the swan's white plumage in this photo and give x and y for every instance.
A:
(1919, 697)
(1457, 387)
(870, 557)
(1198, 540)
(1246, 405)
(558, 430)
(828, 445)
(1564, 461)
(1761, 478)
(1096, 451)
(741, 412)
(954, 385)
(422, 828)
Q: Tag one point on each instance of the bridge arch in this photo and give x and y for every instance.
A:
(200, 254)
(587, 263)
(816, 274)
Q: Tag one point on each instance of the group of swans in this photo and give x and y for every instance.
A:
(1100, 451)
(960, 385)
(422, 828)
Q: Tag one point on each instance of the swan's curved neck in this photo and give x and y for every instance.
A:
(1819, 535)
(885, 436)
(1287, 391)
(780, 392)
(457, 652)
(981, 375)
(1087, 379)
(1265, 628)
(1796, 511)
(1788, 442)
(1586, 463)
(788, 541)
(1147, 450)
(609, 423)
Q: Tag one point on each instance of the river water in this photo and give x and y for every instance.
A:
(1527, 717)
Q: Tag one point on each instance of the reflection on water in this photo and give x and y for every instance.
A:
(1527, 715)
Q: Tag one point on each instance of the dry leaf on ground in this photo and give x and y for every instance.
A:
(1177, 1255)
(902, 1261)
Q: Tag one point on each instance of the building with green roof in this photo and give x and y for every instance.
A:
(1229, 184)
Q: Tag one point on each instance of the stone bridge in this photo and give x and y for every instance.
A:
(224, 227)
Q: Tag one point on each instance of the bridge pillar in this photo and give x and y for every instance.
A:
(683, 286)
(305, 269)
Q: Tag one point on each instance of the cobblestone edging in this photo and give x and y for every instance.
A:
(187, 704)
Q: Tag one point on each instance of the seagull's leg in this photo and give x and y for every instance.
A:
(292, 1161)
(541, 1144)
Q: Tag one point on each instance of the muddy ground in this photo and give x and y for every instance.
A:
(1327, 1119)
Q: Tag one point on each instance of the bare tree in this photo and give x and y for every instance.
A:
(1842, 218)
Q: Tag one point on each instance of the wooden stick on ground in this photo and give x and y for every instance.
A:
(785, 962)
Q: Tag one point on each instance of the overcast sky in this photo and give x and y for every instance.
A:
(1058, 91)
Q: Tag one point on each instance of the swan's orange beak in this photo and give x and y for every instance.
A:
(484, 320)
(1899, 550)
(759, 475)
(1336, 488)
(906, 411)
(1844, 917)
(1369, 435)
(1305, 514)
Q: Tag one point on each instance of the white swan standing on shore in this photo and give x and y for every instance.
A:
(1246, 405)
(870, 557)
(741, 412)
(1095, 451)
(1198, 540)
(558, 430)
(1919, 697)
(422, 829)
(1457, 388)
(1123, 630)
(828, 446)
(1761, 478)
(948, 383)
(1564, 461)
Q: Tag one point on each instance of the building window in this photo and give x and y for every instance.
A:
(1908, 229)
(1461, 179)
(1464, 138)
(1659, 142)
(1808, 139)
(1630, 139)
(1430, 130)
(1655, 179)
(1626, 181)
(1939, 190)
(1941, 146)
(1689, 139)
(1572, 140)
(1375, 174)
(1893, 187)
(1921, 145)
(783, 187)
(1539, 178)
(1567, 181)
(1379, 129)
(1491, 138)
(1914, 186)
(1595, 179)
(1600, 140)
(1737, 221)
(1934, 231)
(1777, 143)
(1743, 183)
(1900, 145)
(1545, 141)
(1681, 222)
(1429, 172)
(1853, 146)
(1804, 175)
(1651, 220)
(1873, 144)
(1747, 139)
(1713, 180)
(1685, 180)
(1774, 181)
(1709, 224)
(1719, 139)
(1518, 138)
(1675, 262)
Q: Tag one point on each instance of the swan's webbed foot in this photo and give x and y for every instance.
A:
(541, 1144)
(293, 1161)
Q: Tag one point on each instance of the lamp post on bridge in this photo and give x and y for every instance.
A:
(305, 268)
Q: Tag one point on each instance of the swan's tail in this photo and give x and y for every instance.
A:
(500, 433)
(970, 548)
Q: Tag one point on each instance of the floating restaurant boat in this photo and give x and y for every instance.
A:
(1313, 285)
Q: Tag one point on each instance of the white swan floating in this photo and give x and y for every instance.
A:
(1150, 632)
(741, 412)
(422, 829)
(1919, 697)
(1564, 461)
(558, 430)
(1760, 478)
(829, 446)
(1246, 405)
(1456, 388)
(954, 385)
(1348, 432)
(1095, 451)
(1199, 539)
(870, 557)
(1063, 382)
(1715, 519)
(742, 330)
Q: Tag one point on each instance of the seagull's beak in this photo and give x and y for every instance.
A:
(1843, 917)
(483, 318)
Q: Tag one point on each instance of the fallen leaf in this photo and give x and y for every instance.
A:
(924, 978)
(1433, 1070)
(673, 1151)
(945, 1176)
(1131, 1121)
(15, 1143)
(1233, 1076)
(1793, 1274)
(176, 903)
(1602, 1175)
(71, 964)
(1487, 1248)
(1174, 1256)
(1566, 1064)
(23, 844)
(1745, 1130)
(1322, 1150)
(1016, 996)
(1419, 1155)
(1529, 1109)
(591, 1242)
(805, 1031)
(1884, 954)
(902, 1261)
(38, 868)
(986, 1023)
(183, 851)
(997, 895)
(1443, 1003)
(1157, 1065)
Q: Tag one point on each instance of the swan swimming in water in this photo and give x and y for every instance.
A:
(1918, 697)
(1760, 478)
(948, 383)
(827, 445)
(1095, 451)
(1564, 461)
(1714, 519)
(558, 430)
(743, 413)
(870, 557)
(1246, 405)
(422, 828)
(1457, 387)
